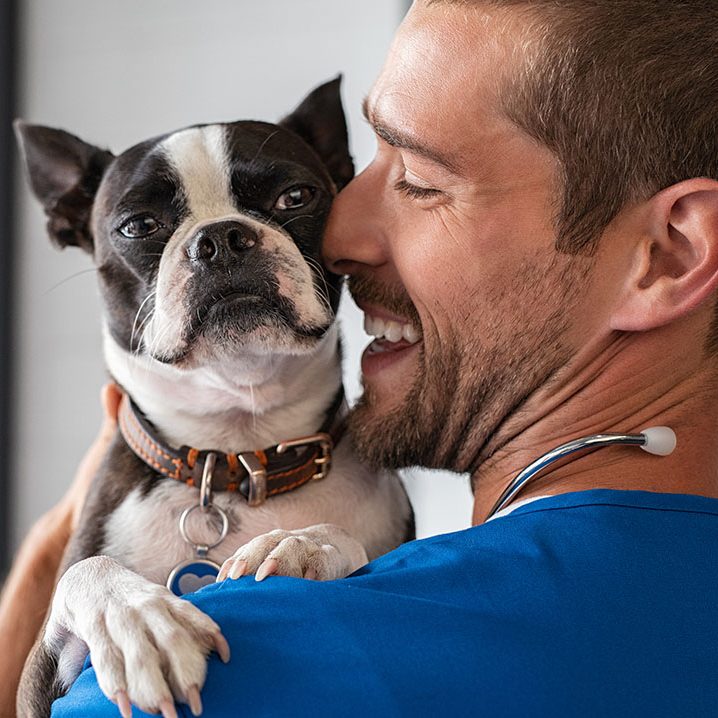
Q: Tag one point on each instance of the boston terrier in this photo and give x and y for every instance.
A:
(219, 327)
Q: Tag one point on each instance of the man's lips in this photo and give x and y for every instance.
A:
(380, 346)
(382, 354)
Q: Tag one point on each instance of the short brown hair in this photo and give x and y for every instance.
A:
(624, 93)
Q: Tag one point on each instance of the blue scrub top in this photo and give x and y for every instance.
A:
(598, 603)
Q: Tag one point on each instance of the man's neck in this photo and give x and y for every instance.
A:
(612, 388)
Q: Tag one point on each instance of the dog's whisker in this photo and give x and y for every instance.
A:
(289, 221)
(137, 316)
(251, 401)
(262, 146)
(141, 331)
(67, 279)
(133, 366)
(143, 328)
(161, 338)
(321, 292)
(146, 319)
(320, 271)
(153, 343)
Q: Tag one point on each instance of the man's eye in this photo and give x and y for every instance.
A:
(138, 227)
(294, 198)
(414, 191)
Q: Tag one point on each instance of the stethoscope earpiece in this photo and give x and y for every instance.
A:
(660, 440)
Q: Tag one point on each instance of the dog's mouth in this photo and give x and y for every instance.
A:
(272, 305)
(246, 299)
(226, 319)
(241, 309)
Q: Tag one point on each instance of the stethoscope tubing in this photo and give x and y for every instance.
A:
(571, 447)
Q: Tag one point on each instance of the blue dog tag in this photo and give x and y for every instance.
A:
(191, 575)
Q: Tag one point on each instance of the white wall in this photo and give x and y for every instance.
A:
(115, 72)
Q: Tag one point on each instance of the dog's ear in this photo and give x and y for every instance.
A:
(64, 173)
(319, 120)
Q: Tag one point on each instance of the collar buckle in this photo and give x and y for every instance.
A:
(257, 474)
(325, 444)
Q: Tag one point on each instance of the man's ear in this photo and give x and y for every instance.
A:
(64, 174)
(319, 120)
(676, 258)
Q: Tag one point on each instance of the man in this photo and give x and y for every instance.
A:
(543, 209)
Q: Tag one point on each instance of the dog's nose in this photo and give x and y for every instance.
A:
(222, 242)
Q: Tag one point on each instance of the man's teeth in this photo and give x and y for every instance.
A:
(390, 330)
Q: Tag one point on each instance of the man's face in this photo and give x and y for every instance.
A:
(450, 230)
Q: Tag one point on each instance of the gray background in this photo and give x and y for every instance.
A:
(115, 72)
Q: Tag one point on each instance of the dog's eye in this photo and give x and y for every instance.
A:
(139, 227)
(294, 198)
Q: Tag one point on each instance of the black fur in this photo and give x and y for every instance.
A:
(329, 138)
(65, 173)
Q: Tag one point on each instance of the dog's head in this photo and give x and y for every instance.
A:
(206, 239)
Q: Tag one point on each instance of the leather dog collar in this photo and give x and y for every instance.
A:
(253, 474)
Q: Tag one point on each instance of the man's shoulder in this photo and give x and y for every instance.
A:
(578, 587)
(567, 597)
(573, 527)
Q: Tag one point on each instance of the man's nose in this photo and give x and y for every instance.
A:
(354, 233)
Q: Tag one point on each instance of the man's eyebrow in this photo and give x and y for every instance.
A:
(401, 140)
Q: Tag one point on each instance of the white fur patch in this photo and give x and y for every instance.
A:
(199, 157)
(241, 402)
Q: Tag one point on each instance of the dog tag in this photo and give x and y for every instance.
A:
(190, 576)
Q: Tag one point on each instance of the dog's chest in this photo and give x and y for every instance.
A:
(143, 533)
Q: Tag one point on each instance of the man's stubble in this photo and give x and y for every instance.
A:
(495, 358)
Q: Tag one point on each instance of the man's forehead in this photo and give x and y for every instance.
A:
(443, 76)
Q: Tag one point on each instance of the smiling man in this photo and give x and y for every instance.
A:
(450, 231)
(535, 246)
(540, 218)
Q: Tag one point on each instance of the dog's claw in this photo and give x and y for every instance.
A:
(238, 570)
(123, 704)
(269, 566)
(310, 574)
(167, 709)
(195, 702)
(222, 647)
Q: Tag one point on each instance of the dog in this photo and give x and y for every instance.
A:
(219, 328)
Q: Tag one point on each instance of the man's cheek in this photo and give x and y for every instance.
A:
(431, 254)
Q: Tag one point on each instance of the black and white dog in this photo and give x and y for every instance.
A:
(219, 326)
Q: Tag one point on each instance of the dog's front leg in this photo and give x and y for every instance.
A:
(323, 552)
(148, 647)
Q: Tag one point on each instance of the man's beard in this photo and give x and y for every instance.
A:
(469, 385)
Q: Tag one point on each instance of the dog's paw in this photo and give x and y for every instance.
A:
(148, 647)
(322, 552)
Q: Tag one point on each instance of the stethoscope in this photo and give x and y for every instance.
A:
(657, 440)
